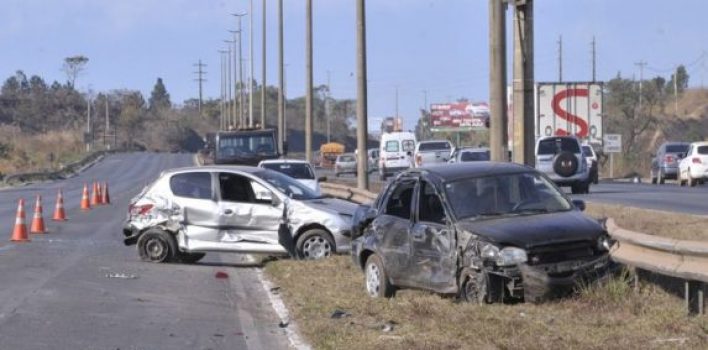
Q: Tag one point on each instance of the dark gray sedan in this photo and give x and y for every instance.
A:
(485, 231)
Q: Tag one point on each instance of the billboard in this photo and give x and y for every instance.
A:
(460, 116)
(570, 109)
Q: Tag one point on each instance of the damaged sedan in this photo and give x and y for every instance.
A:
(484, 231)
(188, 212)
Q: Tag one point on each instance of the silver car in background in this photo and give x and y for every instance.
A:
(469, 154)
(345, 164)
(188, 212)
(299, 170)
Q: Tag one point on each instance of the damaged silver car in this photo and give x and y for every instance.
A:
(188, 212)
(487, 232)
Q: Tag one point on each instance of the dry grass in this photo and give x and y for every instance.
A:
(653, 222)
(611, 316)
(31, 152)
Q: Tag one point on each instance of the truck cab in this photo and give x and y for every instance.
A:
(245, 147)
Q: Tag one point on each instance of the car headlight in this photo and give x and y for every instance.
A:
(604, 243)
(511, 256)
(503, 257)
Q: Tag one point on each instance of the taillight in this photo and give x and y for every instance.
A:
(418, 159)
(668, 159)
(137, 210)
(696, 160)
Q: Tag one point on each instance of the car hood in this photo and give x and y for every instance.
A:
(311, 184)
(526, 231)
(332, 205)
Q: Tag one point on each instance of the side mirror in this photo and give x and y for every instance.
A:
(579, 204)
(322, 179)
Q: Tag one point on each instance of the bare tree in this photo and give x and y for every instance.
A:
(73, 66)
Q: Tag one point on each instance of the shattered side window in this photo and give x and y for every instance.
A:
(192, 185)
(399, 203)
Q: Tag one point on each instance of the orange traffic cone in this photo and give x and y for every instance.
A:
(19, 234)
(100, 193)
(94, 195)
(38, 220)
(106, 198)
(85, 205)
(59, 214)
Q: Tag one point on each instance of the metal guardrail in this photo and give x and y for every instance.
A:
(62, 173)
(687, 260)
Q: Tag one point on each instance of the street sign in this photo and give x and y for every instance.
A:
(613, 143)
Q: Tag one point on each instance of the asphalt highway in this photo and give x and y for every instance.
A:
(80, 287)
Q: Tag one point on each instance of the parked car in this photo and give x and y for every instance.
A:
(372, 154)
(469, 154)
(664, 164)
(562, 160)
(693, 168)
(396, 153)
(299, 170)
(485, 231)
(345, 164)
(591, 159)
(432, 152)
(188, 212)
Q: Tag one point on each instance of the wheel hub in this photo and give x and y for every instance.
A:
(372, 280)
(316, 248)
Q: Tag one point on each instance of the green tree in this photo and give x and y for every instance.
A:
(159, 98)
(73, 66)
(131, 117)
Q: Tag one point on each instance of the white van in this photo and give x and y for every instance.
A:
(396, 152)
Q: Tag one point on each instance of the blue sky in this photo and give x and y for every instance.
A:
(436, 45)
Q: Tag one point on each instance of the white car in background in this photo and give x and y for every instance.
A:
(300, 170)
(693, 168)
(396, 153)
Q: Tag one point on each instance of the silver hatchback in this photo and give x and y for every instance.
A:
(188, 212)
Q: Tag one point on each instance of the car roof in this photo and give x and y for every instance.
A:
(700, 143)
(474, 149)
(431, 141)
(457, 171)
(558, 137)
(214, 168)
(283, 161)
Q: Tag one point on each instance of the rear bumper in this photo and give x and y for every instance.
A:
(572, 180)
(131, 234)
(391, 171)
(699, 172)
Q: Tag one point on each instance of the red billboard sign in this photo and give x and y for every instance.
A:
(461, 115)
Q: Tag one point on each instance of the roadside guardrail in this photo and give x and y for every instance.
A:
(66, 171)
(686, 260)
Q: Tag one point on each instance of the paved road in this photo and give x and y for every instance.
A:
(56, 293)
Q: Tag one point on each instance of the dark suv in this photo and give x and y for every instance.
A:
(664, 164)
(485, 231)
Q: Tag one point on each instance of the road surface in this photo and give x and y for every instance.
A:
(79, 287)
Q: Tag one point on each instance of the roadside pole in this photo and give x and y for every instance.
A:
(523, 85)
(497, 81)
(281, 80)
(362, 132)
(308, 83)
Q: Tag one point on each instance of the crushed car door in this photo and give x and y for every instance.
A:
(393, 227)
(432, 241)
(193, 192)
(250, 218)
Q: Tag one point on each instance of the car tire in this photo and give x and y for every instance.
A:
(474, 287)
(690, 181)
(565, 164)
(661, 180)
(652, 177)
(376, 279)
(190, 258)
(315, 244)
(158, 246)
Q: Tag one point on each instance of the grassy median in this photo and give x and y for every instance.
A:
(608, 316)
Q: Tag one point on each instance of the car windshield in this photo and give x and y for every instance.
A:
(555, 146)
(676, 148)
(587, 151)
(294, 170)
(473, 156)
(346, 159)
(434, 146)
(287, 185)
(235, 144)
(500, 195)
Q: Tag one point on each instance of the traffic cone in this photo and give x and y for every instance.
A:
(106, 198)
(99, 193)
(59, 214)
(85, 204)
(19, 234)
(38, 220)
(95, 199)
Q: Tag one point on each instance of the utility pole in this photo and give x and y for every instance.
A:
(641, 65)
(87, 138)
(362, 132)
(425, 100)
(327, 106)
(594, 56)
(108, 126)
(308, 82)
(229, 118)
(523, 85)
(396, 102)
(235, 84)
(497, 81)
(560, 55)
(281, 81)
(200, 79)
(676, 91)
(241, 96)
(250, 74)
(285, 102)
(263, 69)
(223, 90)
